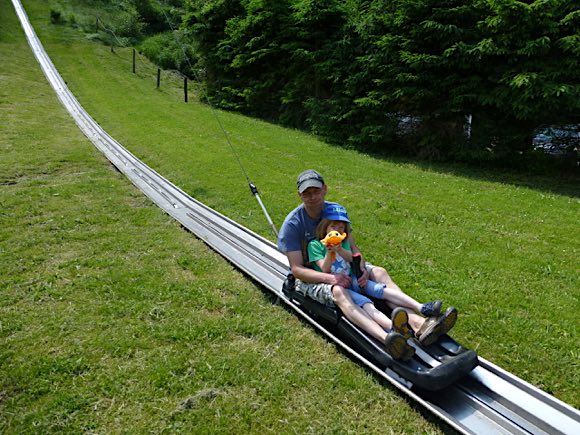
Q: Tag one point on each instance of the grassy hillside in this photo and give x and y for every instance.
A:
(113, 318)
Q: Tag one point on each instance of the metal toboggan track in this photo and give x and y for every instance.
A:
(488, 401)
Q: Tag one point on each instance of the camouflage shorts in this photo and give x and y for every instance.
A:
(369, 267)
(318, 291)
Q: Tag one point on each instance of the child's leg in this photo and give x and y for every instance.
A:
(377, 316)
(393, 296)
(356, 314)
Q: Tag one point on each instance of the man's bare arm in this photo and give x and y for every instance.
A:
(306, 274)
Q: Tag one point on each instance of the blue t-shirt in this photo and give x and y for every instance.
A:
(297, 231)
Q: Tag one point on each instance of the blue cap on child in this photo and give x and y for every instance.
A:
(335, 212)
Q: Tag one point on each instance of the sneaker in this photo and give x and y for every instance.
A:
(431, 309)
(398, 348)
(433, 328)
(400, 320)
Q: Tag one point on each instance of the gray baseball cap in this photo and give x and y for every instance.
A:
(309, 178)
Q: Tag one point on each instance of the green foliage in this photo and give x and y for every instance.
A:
(205, 21)
(169, 51)
(122, 22)
(355, 71)
(56, 16)
(316, 28)
(525, 64)
(346, 69)
(268, 58)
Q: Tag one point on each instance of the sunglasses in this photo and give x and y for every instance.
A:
(311, 177)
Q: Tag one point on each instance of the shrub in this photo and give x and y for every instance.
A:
(165, 50)
(56, 16)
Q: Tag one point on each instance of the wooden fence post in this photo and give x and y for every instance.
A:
(133, 61)
(158, 77)
(185, 88)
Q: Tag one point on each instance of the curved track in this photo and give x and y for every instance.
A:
(489, 400)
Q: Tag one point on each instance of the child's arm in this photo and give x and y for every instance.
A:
(344, 253)
(319, 255)
(325, 264)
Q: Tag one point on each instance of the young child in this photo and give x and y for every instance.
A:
(338, 258)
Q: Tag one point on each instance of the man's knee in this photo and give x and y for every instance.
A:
(380, 274)
(340, 295)
(338, 291)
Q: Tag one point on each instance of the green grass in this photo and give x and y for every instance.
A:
(113, 319)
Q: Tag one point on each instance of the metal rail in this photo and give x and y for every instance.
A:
(489, 400)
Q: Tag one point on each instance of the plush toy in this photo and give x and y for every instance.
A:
(333, 238)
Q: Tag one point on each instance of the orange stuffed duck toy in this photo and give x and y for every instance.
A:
(333, 238)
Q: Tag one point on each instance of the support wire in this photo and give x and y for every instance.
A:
(251, 185)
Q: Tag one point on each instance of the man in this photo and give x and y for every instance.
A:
(299, 228)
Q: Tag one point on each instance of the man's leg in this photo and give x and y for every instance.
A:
(379, 274)
(395, 297)
(429, 328)
(435, 327)
(378, 316)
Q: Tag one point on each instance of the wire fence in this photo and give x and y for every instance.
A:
(146, 67)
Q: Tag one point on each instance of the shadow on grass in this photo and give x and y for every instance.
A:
(540, 173)
(536, 171)
(549, 180)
